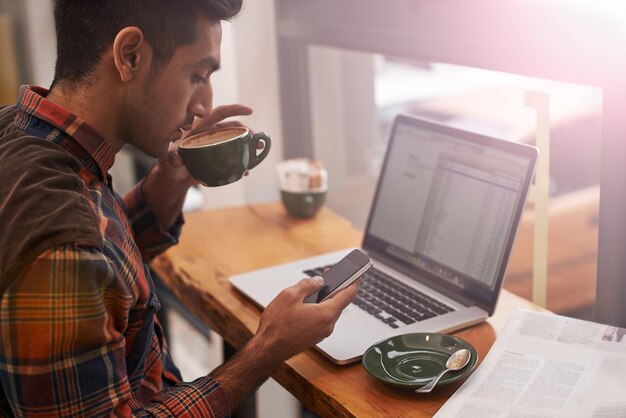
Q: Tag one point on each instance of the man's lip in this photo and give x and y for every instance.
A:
(186, 127)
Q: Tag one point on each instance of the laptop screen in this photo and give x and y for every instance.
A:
(448, 203)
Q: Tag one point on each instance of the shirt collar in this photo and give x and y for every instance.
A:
(32, 101)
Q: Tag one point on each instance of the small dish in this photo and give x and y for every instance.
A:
(413, 360)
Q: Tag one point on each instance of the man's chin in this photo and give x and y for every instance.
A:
(155, 152)
(156, 148)
(162, 152)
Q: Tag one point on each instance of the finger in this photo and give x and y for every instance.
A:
(227, 111)
(172, 157)
(308, 286)
(230, 124)
(217, 115)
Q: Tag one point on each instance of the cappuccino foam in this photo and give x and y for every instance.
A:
(212, 138)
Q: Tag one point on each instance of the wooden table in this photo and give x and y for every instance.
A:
(220, 243)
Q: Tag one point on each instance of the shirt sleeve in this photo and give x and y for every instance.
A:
(150, 237)
(63, 349)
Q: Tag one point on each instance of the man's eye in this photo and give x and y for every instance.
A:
(198, 79)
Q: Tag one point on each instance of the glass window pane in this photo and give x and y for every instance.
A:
(355, 97)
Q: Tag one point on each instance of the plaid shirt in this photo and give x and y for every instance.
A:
(78, 335)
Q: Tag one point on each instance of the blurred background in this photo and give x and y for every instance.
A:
(326, 79)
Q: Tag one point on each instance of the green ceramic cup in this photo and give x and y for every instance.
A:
(303, 204)
(222, 156)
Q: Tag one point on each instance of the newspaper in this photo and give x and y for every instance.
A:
(546, 365)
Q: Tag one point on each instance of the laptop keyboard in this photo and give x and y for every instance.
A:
(391, 301)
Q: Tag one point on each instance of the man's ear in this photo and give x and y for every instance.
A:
(129, 51)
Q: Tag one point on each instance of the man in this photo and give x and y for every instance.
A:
(77, 306)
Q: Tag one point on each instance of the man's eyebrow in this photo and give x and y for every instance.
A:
(209, 62)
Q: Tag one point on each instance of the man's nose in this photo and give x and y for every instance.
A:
(198, 108)
(201, 103)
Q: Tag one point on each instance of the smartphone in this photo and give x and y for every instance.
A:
(342, 275)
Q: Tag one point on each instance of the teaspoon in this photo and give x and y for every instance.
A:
(457, 361)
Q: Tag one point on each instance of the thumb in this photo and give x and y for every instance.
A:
(174, 159)
(307, 287)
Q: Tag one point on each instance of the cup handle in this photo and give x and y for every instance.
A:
(254, 158)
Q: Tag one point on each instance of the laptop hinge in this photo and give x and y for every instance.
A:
(421, 278)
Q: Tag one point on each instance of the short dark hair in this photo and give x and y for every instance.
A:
(86, 28)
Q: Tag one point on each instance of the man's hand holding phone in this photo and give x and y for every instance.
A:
(290, 325)
(341, 275)
(287, 327)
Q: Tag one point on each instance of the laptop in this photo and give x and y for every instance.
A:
(440, 230)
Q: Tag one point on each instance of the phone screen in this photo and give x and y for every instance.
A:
(347, 270)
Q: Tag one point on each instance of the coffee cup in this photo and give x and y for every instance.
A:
(303, 186)
(222, 156)
(303, 204)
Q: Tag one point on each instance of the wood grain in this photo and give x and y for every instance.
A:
(220, 243)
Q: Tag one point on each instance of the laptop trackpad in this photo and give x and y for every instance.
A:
(354, 332)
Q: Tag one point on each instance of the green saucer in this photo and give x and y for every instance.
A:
(413, 360)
